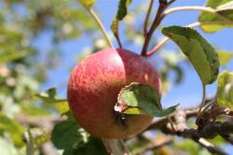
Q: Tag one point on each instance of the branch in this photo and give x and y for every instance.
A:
(161, 122)
(209, 130)
(210, 147)
(154, 146)
(115, 147)
(29, 142)
(46, 122)
(195, 136)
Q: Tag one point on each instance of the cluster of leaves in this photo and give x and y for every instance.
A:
(68, 136)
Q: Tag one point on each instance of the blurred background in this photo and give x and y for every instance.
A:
(41, 41)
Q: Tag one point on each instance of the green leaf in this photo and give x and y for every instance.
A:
(65, 134)
(139, 98)
(225, 90)
(225, 57)
(68, 136)
(87, 3)
(199, 52)
(212, 22)
(121, 13)
(94, 146)
(122, 9)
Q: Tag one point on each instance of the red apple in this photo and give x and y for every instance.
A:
(93, 88)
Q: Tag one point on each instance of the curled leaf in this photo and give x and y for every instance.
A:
(136, 98)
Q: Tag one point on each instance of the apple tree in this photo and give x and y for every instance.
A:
(114, 102)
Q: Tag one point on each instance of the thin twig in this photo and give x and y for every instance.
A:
(29, 142)
(157, 20)
(164, 40)
(100, 25)
(157, 46)
(210, 147)
(186, 8)
(148, 16)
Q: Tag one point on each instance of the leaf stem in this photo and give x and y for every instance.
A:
(100, 25)
(165, 40)
(197, 8)
(189, 8)
(185, 8)
(203, 101)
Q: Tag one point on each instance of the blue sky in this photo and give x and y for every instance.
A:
(187, 94)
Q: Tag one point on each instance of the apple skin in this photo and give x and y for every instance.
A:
(93, 88)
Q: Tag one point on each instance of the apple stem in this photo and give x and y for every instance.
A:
(115, 147)
(163, 4)
(100, 25)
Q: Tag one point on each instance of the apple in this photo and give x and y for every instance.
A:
(93, 88)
